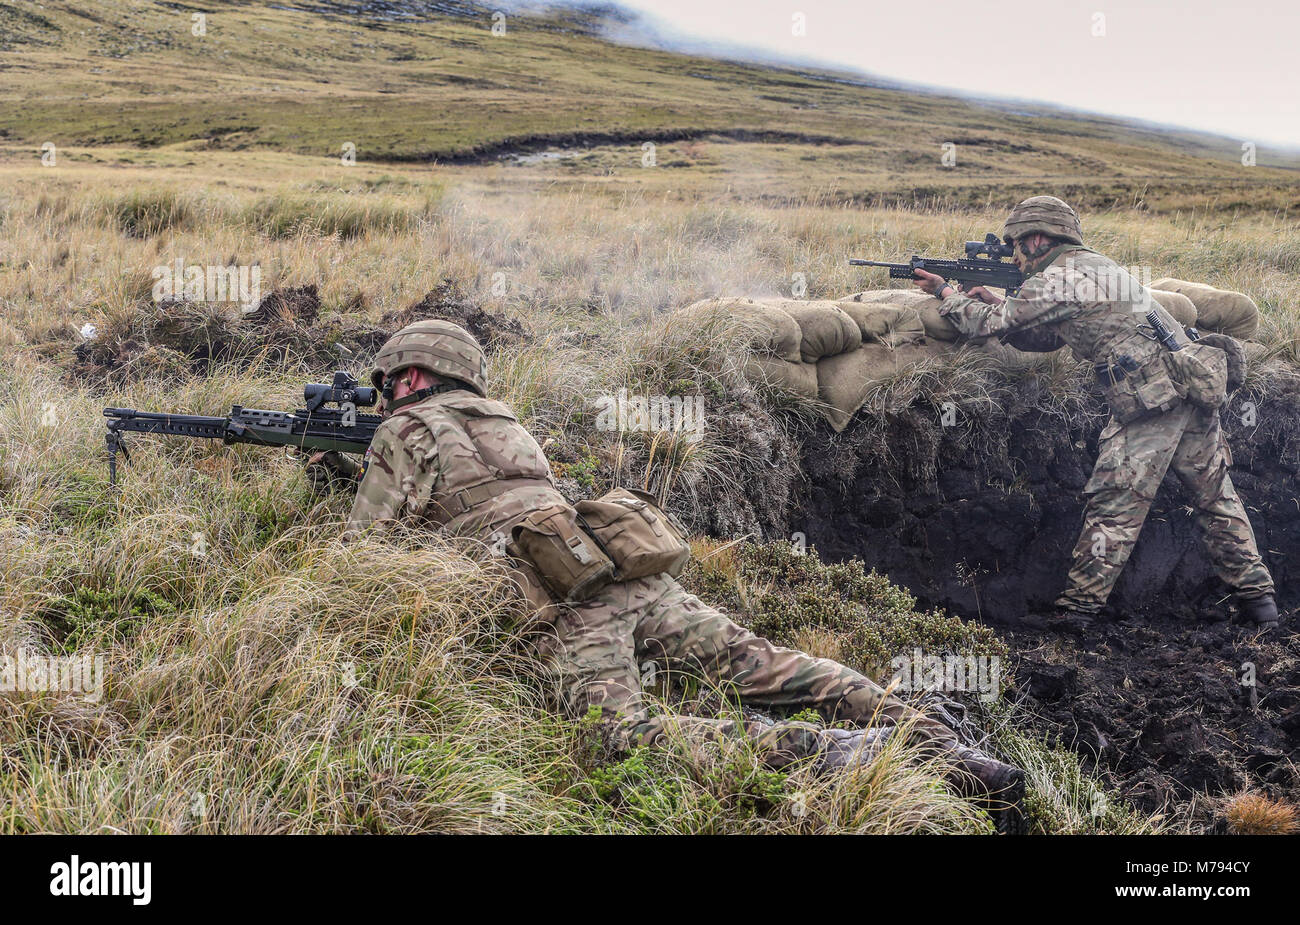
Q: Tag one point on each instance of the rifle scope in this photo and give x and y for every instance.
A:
(990, 247)
(343, 389)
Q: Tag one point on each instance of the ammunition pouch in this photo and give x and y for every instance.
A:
(636, 534)
(577, 550)
(568, 560)
(1136, 388)
(1201, 371)
(1234, 353)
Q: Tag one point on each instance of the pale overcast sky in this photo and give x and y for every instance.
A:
(1218, 65)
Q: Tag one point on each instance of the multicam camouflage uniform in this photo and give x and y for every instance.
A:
(1074, 296)
(463, 464)
(456, 461)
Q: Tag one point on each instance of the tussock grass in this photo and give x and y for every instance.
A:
(331, 212)
(1251, 813)
(1061, 797)
(261, 677)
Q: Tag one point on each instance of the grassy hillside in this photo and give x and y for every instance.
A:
(445, 88)
(279, 681)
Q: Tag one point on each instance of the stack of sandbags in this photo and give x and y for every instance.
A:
(830, 351)
(786, 336)
(844, 380)
(1218, 310)
(772, 335)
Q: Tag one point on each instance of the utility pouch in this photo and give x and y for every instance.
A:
(1233, 352)
(640, 537)
(569, 561)
(1202, 370)
(1144, 388)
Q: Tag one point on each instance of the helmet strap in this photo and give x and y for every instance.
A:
(392, 404)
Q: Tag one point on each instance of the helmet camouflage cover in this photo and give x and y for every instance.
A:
(440, 346)
(1045, 214)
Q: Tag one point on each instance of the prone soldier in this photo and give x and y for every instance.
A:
(449, 458)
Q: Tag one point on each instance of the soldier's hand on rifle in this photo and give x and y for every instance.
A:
(930, 283)
(982, 294)
(331, 471)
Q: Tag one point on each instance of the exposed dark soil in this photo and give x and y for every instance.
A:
(288, 326)
(981, 521)
(1159, 703)
(449, 303)
(987, 531)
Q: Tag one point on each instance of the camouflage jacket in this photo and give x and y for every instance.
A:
(455, 462)
(1072, 296)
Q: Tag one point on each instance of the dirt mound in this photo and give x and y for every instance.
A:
(448, 303)
(178, 337)
(173, 338)
(290, 306)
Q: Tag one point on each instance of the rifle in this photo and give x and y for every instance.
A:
(314, 427)
(987, 270)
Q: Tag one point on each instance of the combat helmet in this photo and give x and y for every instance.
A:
(441, 346)
(1045, 214)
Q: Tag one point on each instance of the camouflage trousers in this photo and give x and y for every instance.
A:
(1130, 467)
(601, 651)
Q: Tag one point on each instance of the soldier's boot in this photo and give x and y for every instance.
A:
(1073, 621)
(1262, 611)
(996, 785)
(851, 748)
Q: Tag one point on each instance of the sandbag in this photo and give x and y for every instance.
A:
(907, 298)
(1218, 310)
(936, 325)
(771, 331)
(1178, 305)
(844, 380)
(881, 323)
(797, 377)
(825, 329)
(926, 306)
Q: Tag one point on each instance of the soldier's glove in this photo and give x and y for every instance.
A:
(331, 471)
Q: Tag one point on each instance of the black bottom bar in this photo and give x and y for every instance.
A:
(335, 874)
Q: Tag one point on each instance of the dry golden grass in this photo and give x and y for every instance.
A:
(1252, 813)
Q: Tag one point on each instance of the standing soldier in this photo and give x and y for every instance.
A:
(1075, 296)
(451, 459)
